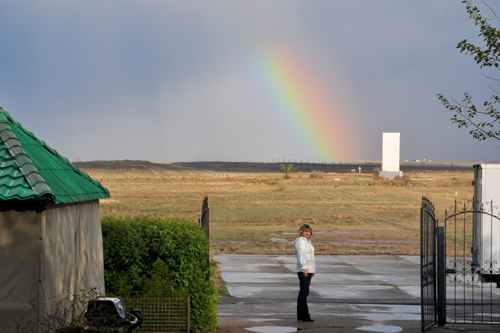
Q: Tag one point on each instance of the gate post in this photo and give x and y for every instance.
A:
(205, 220)
(441, 276)
(428, 283)
(205, 224)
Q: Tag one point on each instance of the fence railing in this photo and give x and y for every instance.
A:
(162, 314)
(472, 273)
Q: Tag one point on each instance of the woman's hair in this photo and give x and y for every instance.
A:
(305, 227)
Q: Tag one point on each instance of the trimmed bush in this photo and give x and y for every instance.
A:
(132, 247)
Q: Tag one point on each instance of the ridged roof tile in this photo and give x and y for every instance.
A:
(30, 169)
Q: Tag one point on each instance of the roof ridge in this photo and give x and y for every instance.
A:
(5, 116)
(22, 160)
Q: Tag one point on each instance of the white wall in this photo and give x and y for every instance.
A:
(390, 151)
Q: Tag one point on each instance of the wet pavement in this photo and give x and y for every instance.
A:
(348, 294)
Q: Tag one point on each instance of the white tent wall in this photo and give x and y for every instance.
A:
(19, 266)
(61, 247)
(73, 253)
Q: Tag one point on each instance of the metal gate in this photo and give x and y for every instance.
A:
(460, 264)
(473, 263)
(428, 224)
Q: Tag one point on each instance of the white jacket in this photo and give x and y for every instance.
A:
(304, 251)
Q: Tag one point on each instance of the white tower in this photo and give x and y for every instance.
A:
(390, 156)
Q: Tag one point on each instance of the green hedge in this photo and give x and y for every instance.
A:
(132, 247)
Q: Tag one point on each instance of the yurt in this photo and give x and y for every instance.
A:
(50, 228)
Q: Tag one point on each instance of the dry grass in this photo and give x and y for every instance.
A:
(251, 213)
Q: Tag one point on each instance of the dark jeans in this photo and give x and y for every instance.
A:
(302, 309)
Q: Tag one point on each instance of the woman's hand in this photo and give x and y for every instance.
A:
(306, 272)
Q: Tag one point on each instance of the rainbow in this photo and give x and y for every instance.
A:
(315, 117)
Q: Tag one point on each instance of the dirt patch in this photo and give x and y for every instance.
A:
(108, 201)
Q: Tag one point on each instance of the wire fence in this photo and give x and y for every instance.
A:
(162, 314)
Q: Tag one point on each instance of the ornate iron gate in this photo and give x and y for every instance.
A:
(428, 224)
(473, 263)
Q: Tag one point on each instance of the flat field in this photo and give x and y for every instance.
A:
(259, 213)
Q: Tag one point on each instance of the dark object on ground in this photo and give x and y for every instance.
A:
(108, 313)
(307, 320)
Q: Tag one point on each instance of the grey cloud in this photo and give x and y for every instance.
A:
(165, 81)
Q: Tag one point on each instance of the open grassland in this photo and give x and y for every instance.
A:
(260, 213)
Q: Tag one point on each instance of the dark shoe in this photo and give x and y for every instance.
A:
(309, 320)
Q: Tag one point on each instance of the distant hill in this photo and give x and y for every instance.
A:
(123, 164)
(366, 166)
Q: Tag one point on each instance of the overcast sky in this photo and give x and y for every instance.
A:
(169, 81)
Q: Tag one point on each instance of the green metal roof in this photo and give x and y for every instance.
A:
(29, 169)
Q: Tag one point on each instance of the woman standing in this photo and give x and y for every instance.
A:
(306, 267)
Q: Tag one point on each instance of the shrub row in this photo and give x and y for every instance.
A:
(140, 252)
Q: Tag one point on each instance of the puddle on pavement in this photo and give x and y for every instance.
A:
(487, 315)
(396, 316)
(387, 278)
(272, 329)
(243, 291)
(380, 328)
(383, 312)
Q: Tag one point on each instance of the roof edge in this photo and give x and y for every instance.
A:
(5, 118)
(22, 160)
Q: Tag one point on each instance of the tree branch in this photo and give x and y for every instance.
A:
(468, 107)
(492, 11)
(489, 77)
(465, 111)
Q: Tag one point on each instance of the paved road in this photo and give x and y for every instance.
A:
(348, 294)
